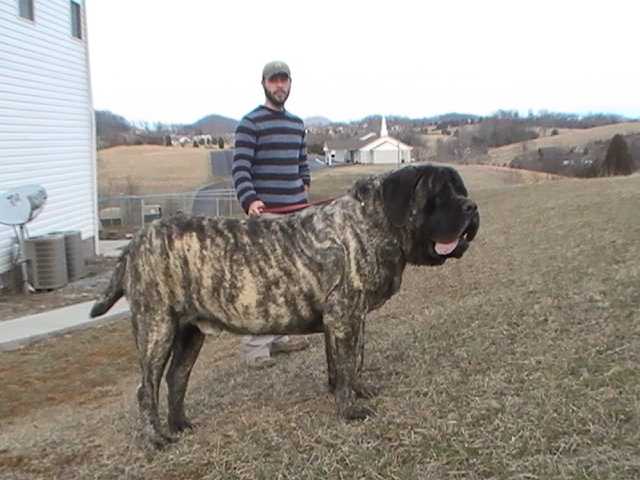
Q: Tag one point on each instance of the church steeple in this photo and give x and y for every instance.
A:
(383, 128)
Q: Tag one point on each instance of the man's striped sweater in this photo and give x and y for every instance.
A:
(270, 159)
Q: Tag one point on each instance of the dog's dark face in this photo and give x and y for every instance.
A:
(429, 205)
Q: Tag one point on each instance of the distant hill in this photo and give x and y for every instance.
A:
(569, 141)
(215, 124)
(112, 129)
(317, 121)
(453, 117)
(108, 123)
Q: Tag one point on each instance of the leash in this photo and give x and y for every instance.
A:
(299, 206)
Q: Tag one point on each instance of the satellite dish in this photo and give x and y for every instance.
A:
(35, 194)
(15, 209)
(22, 204)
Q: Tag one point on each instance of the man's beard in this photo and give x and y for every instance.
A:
(273, 99)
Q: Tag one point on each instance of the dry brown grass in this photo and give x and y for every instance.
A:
(146, 169)
(430, 140)
(331, 182)
(566, 138)
(517, 362)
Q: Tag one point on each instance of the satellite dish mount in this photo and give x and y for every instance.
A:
(18, 207)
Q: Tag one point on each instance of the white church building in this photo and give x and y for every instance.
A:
(370, 148)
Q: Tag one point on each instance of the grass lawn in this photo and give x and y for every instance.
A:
(519, 361)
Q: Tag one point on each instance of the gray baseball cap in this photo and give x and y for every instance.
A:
(273, 68)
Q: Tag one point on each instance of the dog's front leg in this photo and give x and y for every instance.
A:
(361, 389)
(342, 340)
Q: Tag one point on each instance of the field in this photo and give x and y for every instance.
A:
(148, 169)
(519, 361)
(566, 139)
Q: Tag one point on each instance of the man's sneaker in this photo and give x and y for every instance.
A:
(258, 363)
(289, 345)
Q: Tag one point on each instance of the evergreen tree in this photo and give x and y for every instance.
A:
(618, 160)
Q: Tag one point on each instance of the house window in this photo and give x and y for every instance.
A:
(25, 9)
(76, 20)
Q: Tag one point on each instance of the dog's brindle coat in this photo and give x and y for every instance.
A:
(318, 270)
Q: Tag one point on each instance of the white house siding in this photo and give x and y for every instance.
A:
(390, 156)
(46, 118)
(387, 151)
(385, 156)
(338, 156)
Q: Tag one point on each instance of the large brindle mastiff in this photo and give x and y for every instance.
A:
(321, 269)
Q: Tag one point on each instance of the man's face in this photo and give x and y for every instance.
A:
(277, 88)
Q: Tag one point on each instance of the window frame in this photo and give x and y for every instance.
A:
(31, 10)
(75, 8)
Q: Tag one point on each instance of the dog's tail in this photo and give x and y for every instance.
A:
(114, 291)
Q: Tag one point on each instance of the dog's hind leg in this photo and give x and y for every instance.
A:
(186, 347)
(154, 347)
(360, 350)
(331, 363)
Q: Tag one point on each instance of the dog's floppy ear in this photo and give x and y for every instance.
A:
(361, 189)
(397, 191)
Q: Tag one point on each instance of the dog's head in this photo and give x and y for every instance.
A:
(429, 207)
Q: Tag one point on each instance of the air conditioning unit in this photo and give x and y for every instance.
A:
(151, 212)
(76, 267)
(111, 216)
(47, 261)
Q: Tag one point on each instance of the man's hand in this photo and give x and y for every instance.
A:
(256, 208)
(307, 188)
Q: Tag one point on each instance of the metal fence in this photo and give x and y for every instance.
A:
(136, 210)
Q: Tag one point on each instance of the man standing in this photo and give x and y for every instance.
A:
(270, 170)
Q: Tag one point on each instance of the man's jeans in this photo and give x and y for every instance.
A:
(256, 346)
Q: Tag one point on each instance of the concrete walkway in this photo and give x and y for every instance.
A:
(112, 248)
(25, 330)
(31, 328)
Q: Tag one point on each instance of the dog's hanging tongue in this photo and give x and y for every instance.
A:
(446, 248)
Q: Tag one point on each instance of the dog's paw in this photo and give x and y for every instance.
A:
(365, 390)
(357, 412)
(177, 426)
(158, 441)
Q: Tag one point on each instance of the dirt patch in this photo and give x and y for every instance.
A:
(17, 304)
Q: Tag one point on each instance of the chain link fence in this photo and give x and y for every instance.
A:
(133, 211)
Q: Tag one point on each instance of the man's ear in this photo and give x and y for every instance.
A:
(397, 192)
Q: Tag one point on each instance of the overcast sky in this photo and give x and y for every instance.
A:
(176, 61)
